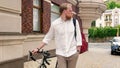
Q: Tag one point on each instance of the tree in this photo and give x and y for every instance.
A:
(118, 5)
(111, 5)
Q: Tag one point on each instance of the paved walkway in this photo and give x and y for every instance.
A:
(98, 56)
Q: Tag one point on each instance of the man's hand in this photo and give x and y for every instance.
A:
(35, 50)
(78, 48)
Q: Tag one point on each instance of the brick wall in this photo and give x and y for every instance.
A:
(27, 16)
(46, 16)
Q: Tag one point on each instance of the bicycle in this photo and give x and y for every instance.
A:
(45, 57)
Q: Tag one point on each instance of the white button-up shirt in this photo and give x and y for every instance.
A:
(63, 33)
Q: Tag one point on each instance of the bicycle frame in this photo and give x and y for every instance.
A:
(45, 57)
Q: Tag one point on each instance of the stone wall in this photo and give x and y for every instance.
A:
(14, 48)
(97, 40)
(16, 18)
(10, 19)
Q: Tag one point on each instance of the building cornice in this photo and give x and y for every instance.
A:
(18, 39)
(10, 11)
(11, 40)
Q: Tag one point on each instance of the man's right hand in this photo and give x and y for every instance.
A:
(34, 51)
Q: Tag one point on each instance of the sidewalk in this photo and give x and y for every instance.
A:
(98, 56)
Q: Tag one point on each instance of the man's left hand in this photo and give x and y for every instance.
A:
(78, 48)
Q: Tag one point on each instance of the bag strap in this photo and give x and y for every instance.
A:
(74, 23)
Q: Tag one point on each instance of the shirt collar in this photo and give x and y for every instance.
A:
(65, 21)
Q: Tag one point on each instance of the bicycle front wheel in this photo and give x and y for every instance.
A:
(43, 66)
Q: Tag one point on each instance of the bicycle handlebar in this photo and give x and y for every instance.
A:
(45, 55)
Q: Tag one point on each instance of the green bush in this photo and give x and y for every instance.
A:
(92, 32)
(110, 31)
(118, 28)
(101, 32)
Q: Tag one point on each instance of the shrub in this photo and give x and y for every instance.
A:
(101, 32)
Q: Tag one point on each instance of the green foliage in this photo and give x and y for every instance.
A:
(112, 5)
(118, 5)
(92, 32)
(118, 27)
(101, 32)
(110, 31)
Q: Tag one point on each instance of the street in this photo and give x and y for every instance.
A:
(98, 56)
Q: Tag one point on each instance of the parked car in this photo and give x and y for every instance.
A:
(115, 46)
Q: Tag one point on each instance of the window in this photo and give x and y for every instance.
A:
(106, 18)
(54, 12)
(93, 23)
(110, 18)
(36, 15)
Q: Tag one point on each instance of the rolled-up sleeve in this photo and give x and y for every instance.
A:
(79, 37)
(49, 36)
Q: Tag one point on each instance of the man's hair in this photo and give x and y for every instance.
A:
(63, 7)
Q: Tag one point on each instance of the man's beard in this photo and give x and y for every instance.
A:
(68, 17)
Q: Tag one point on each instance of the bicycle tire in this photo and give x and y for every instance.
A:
(43, 66)
(56, 66)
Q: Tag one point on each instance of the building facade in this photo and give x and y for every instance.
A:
(37, 16)
(109, 18)
(23, 26)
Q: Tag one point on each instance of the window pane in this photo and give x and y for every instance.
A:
(54, 16)
(36, 2)
(36, 19)
(54, 8)
(54, 12)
